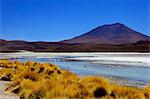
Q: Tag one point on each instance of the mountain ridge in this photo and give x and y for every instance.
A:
(17, 46)
(116, 33)
(113, 38)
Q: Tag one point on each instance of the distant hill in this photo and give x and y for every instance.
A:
(109, 34)
(107, 38)
(16, 46)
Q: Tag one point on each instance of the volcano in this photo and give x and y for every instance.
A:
(115, 34)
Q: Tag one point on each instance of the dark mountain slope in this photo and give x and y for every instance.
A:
(109, 34)
(15, 46)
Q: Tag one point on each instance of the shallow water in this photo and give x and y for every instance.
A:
(125, 68)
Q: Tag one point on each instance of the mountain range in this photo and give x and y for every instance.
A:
(112, 37)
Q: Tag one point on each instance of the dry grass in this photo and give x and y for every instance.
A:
(32, 80)
(147, 91)
(127, 92)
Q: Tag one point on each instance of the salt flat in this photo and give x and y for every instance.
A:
(126, 58)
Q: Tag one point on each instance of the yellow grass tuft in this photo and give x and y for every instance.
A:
(147, 91)
(32, 80)
(127, 92)
(97, 86)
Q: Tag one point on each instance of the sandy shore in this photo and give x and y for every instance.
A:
(3, 94)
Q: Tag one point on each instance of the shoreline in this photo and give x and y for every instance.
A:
(108, 67)
(119, 80)
(31, 79)
(30, 76)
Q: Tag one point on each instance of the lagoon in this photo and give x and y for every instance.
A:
(132, 69)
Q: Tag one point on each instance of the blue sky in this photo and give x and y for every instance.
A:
(55, 20)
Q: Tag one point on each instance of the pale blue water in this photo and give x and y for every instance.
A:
(130, 74)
